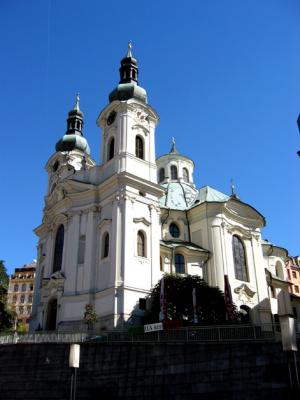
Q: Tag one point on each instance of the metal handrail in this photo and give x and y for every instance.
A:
(204, 334)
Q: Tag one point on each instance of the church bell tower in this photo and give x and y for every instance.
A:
(128, 168)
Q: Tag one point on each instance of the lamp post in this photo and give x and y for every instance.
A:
(74, 364)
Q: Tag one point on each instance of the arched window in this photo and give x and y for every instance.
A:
(139, 147)
(174, 172)
(22, 298)
(174, 230)
(24, 287)
(279, 270)
(16, 288)
(111, 149)
(30, 298)
(15, 299)
(179, 264)
(141, 246)
(105, 245)
(185, 175)
(58, 251)
(239, 259)
(161, 175)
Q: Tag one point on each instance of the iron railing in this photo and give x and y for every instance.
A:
(205, 334)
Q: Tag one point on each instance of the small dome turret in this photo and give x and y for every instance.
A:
(73, 138)
(175, 167)
(128, 87)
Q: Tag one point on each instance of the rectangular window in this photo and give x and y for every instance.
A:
(296, 289)
(81, 249)
(294, 274)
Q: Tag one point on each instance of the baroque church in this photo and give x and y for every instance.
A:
(109, 232)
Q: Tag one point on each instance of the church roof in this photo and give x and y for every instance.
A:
(178, 196)
(182, 196)
(207, 193)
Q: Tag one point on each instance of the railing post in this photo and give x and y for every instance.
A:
(187, 333)
(219, 335)
(254, 331)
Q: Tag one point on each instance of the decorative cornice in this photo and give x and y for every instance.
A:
(142, 220)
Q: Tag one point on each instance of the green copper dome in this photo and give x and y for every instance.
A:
(73, 138)
(126, 91)
(71, 142)
(128, 87)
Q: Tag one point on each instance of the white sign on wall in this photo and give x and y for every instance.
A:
(153, 327)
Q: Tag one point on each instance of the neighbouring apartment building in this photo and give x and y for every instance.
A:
(20, 292)
(292, 265)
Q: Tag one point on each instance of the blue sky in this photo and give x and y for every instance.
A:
(222, 75)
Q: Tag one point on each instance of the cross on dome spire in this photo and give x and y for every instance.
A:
(76, 107)
(173, 148)
(129, 51)
(233, 192)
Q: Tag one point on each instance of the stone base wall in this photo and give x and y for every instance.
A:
(147, 371)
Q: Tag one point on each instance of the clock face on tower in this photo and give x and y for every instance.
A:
(111, 117)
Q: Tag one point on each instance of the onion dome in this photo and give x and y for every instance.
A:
(73, 138)
(128, 87)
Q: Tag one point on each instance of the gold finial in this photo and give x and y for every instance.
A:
(76, 107)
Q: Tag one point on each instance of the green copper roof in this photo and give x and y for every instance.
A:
(126, 91)
(73, 142)
(128, 86)
(179, 196)
(182, 196)
(207, 193)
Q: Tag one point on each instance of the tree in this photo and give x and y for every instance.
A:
(90, 316)
(210, 304)
(6, 316)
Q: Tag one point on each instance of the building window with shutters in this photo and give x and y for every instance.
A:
(141, 244)
(139, 147)
(239, 259)
(58, 249)
(179, 264)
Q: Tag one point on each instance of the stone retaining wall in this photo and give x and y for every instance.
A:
(146, 371)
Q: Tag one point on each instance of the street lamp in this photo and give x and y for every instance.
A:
(74, 364)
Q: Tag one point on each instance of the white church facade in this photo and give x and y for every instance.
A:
(110, 231)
